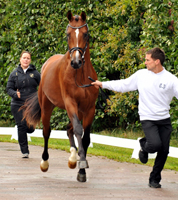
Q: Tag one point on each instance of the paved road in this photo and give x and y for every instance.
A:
(22, 179)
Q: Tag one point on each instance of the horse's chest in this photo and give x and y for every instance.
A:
(85, 101)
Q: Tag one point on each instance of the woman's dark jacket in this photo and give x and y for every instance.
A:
(26, 83)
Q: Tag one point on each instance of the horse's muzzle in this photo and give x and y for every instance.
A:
(76, 64)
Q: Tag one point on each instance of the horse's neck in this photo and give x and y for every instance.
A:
(88, 63)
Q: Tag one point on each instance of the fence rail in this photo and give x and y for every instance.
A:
(95, 138)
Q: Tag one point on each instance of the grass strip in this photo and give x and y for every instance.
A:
(105, 151)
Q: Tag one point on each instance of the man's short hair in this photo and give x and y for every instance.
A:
(157, 53)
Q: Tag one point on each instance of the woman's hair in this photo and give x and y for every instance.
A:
(157, 53)
(25, 51)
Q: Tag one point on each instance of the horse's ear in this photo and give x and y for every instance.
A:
(69, 15)
(83, 16)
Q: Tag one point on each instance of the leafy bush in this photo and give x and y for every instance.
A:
(121, 31)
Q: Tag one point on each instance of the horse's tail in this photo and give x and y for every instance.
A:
(32, 110)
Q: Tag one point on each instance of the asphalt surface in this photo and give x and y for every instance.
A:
(22, 179)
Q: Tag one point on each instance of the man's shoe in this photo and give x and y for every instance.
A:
(25, 155)
(143, 156)
(153, 184)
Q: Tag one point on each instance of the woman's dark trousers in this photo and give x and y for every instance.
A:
(22, 127)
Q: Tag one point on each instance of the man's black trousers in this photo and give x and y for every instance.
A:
(157, 139)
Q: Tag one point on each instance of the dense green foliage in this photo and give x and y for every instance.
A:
(120, 33)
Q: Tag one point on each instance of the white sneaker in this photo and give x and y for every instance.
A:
(25, 155)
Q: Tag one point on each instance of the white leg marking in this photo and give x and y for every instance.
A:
(44, 164)
(73, 156)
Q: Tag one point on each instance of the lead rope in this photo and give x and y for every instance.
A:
(102, 95)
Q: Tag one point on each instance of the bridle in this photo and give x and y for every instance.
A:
(80, 50)
(102, 94)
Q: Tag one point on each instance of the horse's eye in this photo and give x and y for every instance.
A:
(85, 35)
(68, 36)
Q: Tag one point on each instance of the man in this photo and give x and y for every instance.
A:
(156, 87)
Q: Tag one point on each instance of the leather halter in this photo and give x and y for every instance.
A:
(80, 50)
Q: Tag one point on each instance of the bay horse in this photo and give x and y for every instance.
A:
(65, 84)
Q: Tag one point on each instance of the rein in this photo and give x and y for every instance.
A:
(102, 95)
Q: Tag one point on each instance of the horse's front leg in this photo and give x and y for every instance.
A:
(72, 111)
(81, 176)
(78, 131)
(87, 122)
(73, 149)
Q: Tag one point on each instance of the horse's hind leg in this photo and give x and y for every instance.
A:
(45, 116)
(73, 149)
(45, 156)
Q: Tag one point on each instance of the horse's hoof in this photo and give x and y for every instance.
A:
(72, 165)
(44, 166)
(81, 177)
(83, 164)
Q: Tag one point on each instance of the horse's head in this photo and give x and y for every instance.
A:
(77, 37)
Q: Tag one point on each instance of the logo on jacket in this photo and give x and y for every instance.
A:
(161, 85)
(32, 75)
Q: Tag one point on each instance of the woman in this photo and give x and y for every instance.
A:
(22, 82)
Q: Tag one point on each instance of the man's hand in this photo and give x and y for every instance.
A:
(97, 84)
